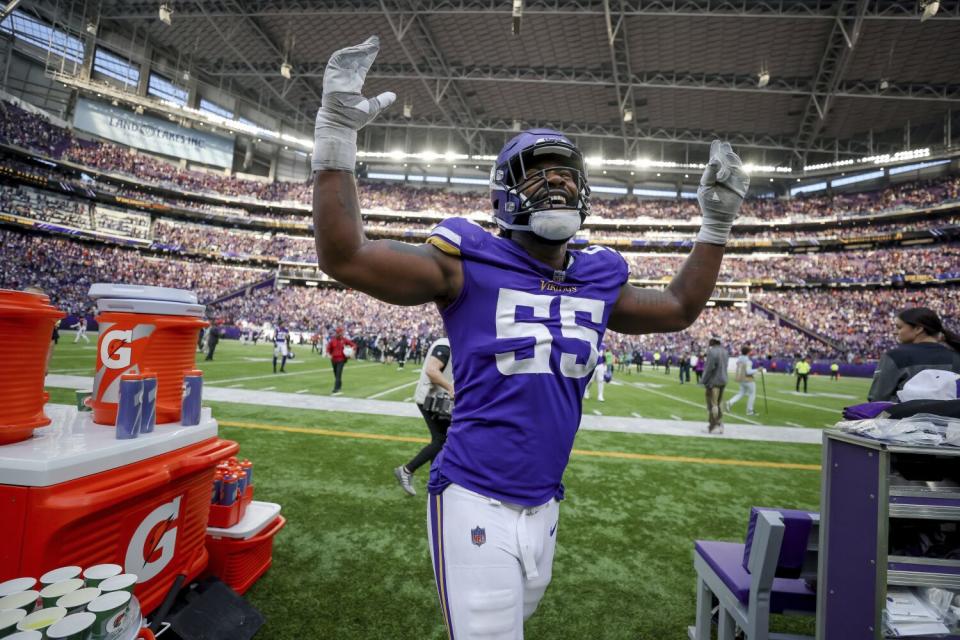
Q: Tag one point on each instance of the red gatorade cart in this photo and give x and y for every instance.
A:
(26, 327)
(144, 329)
(75, 495)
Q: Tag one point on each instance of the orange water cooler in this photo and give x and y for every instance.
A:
(73, 494)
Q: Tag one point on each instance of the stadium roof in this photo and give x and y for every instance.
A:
(845, 76)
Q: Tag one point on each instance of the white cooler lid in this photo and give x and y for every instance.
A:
(255, 520)
(141, 292)
(72, 447)
(155, 307)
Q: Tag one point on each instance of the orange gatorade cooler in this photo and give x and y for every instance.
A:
(75, 495)
(144, 328)
(26, 327)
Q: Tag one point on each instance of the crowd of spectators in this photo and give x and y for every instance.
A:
(859, 321)
(65, 269)
(319, 309)
(862, 321)
(28, 130)
(44, 206)
(879, 265)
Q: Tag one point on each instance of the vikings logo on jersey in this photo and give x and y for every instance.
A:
(526, 346)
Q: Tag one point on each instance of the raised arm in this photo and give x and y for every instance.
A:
(722, 189)
(392, 271)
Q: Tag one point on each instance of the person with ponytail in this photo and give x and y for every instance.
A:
(924, 344)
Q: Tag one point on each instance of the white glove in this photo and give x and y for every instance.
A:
(344, 111)
(722, 189)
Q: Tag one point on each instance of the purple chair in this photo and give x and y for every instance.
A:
(769, 573)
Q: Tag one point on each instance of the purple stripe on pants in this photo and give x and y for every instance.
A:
(439, 565)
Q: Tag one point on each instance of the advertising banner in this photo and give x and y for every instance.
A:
(152, 134)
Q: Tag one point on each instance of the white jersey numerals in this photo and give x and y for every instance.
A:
(508, 327)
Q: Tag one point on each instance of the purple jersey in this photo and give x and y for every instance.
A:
(524, 346)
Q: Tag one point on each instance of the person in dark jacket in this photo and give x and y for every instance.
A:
(714, 380)
(924, 344)
(212, 339)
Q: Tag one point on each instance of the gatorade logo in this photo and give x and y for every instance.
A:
(120, 350)
(154, 542)
(116, 356)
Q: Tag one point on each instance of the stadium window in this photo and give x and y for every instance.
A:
(40, 34)
(385, 176)
(603, 189)
(249, 123)
(916, 167)
(437, 179)
(456, 180)
(860, 177)
(809, 188)
(689, 195)
(116, 67)
(165, 90)
(212, 107)
(655, 193)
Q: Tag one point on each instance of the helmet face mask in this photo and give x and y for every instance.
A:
(524, 197)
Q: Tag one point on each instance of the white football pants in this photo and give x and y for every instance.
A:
(492, 561)
(749, 389)
(598, 377)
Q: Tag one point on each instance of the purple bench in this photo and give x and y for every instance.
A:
(771, 572)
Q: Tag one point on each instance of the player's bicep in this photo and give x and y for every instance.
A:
(640, 310)
(402, 273)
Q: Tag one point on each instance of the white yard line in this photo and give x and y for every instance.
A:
(214, 383)
(303, 391)
(636, 415)
(597, 413)
(807, 406)
(267, 389)
(739, 417)
(675, 416)
(794, 424)
(639, 385)
(383, 393)
(235, 386)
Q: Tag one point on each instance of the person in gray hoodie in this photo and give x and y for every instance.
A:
(714, 380)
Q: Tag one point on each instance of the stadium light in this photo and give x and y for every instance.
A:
(165, 13)
(407, 109)
(628, 115)
(763, 79)
(929, 9)
(884, 84)
(92, 28)
(286, 70)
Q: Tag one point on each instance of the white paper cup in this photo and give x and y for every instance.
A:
(16, 585)
(41, 619)
(77, 601)
(96, 574)
(122, 582)
(111, 610)
(76, 626)
(26, 635)
(51, 593)
(61, 574)
(25, 600)
(9, 620)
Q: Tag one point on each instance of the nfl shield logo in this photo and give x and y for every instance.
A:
(478, 536)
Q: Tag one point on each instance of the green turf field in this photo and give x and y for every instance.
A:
(353, 560)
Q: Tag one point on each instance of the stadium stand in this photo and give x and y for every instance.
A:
(216, 259)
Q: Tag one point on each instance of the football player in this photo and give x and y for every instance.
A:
(525, 316)
(281, 346)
